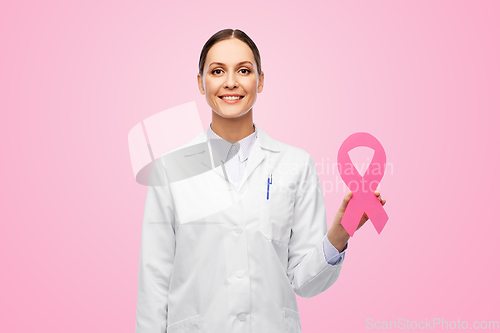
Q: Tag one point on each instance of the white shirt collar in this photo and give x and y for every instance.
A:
(222, 147)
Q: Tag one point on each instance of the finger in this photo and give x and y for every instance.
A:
(377, 193)
(344, 203)
(383, 202)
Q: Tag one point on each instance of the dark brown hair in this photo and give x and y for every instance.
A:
(228, 34)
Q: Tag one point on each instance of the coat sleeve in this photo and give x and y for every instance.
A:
(156, 254)
(308, 271)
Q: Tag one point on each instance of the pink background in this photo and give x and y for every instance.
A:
(421, 76)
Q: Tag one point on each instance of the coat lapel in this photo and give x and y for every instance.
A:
(262, 143)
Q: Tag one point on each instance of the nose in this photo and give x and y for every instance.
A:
(231, 81)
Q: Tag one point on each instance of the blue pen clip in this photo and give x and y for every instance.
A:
(269, 182)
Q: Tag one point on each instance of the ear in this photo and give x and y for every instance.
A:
(200, 84)
(261, 82)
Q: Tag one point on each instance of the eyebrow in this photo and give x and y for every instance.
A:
(222, 64)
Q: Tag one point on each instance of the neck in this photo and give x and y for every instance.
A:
(233, 129)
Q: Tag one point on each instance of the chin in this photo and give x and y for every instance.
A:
(231, 114)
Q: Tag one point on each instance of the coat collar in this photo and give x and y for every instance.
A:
(257, 155)
(263, 140)
(223, 147)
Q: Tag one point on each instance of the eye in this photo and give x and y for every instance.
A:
(247, 71)
(216, 70)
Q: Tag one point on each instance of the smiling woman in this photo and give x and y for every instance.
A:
(241, 227)
(230, 77)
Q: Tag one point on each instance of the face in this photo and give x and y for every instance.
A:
(230, 80)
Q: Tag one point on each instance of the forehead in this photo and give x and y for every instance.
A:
(230, 52)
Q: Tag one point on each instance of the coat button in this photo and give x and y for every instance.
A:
(242, 317)
(238, 230)
(240, 274)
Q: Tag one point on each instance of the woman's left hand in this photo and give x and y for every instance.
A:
(337, 235)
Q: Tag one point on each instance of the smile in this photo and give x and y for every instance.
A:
(230, 98)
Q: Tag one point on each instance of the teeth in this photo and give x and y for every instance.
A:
(232, 97)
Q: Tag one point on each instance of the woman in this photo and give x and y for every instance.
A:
(238, 225)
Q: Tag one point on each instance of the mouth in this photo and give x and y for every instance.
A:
(231, 97)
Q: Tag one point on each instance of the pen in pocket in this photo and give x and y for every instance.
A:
(269, 182)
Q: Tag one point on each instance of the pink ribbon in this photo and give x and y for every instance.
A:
(363, 199)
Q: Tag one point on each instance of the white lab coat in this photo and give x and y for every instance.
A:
(216, 258)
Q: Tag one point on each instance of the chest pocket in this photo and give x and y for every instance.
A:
(276, 213)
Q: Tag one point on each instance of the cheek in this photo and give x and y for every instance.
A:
(210, 87)
(251, 87)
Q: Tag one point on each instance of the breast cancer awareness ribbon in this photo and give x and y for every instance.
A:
(363, 199)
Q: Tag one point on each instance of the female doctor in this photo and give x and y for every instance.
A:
(237, 225)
